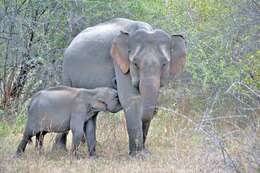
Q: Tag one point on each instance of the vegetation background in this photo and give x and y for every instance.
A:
(208, 119)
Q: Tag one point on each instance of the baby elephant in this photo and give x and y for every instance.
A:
(59, 109)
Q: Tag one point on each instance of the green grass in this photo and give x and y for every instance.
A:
(5, 129)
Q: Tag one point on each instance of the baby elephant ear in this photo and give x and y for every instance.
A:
(178, 54)
(119, 51)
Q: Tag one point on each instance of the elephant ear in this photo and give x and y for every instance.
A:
(178, 54)
(119, 51)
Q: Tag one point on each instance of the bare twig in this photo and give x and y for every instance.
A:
(212, 135)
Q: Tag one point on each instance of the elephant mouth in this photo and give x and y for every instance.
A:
(99, 106)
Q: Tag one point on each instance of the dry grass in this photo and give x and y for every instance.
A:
(174, 142)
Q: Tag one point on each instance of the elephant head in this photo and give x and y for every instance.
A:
(150, 57)
(105, 99)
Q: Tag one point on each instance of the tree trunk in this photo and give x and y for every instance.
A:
(21, 79)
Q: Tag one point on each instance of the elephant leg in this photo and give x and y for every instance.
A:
(131, 101)
(90, 132)
(21, 147)
(146, 125)
(77, 128)
(77, 135)
(60, 141)
(134, 129)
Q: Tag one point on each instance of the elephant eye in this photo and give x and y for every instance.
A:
(136, 65)
(164, 62)
(163, 65)
(134, 62)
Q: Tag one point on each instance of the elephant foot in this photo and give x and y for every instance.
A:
(92, 152)
(143, 154)
(146, 151)
(93, 157)
(18, 155)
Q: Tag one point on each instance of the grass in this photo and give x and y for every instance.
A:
(174, 141)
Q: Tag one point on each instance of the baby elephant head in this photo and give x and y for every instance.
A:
(106, 99)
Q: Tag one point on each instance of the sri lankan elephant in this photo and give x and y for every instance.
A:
(62, 108)
(130, 56)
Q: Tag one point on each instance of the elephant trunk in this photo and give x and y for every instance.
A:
(149, 90)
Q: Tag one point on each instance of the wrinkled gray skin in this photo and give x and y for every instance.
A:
(130, 56)
(59, 109)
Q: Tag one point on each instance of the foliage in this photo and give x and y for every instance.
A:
(221, 50)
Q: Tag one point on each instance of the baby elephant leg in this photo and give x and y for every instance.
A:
(90, 132)
(77, 136)
(77, 125)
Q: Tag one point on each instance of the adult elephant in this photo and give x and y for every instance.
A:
(130, 56)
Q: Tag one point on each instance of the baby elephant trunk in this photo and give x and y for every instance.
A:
(114, 105)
